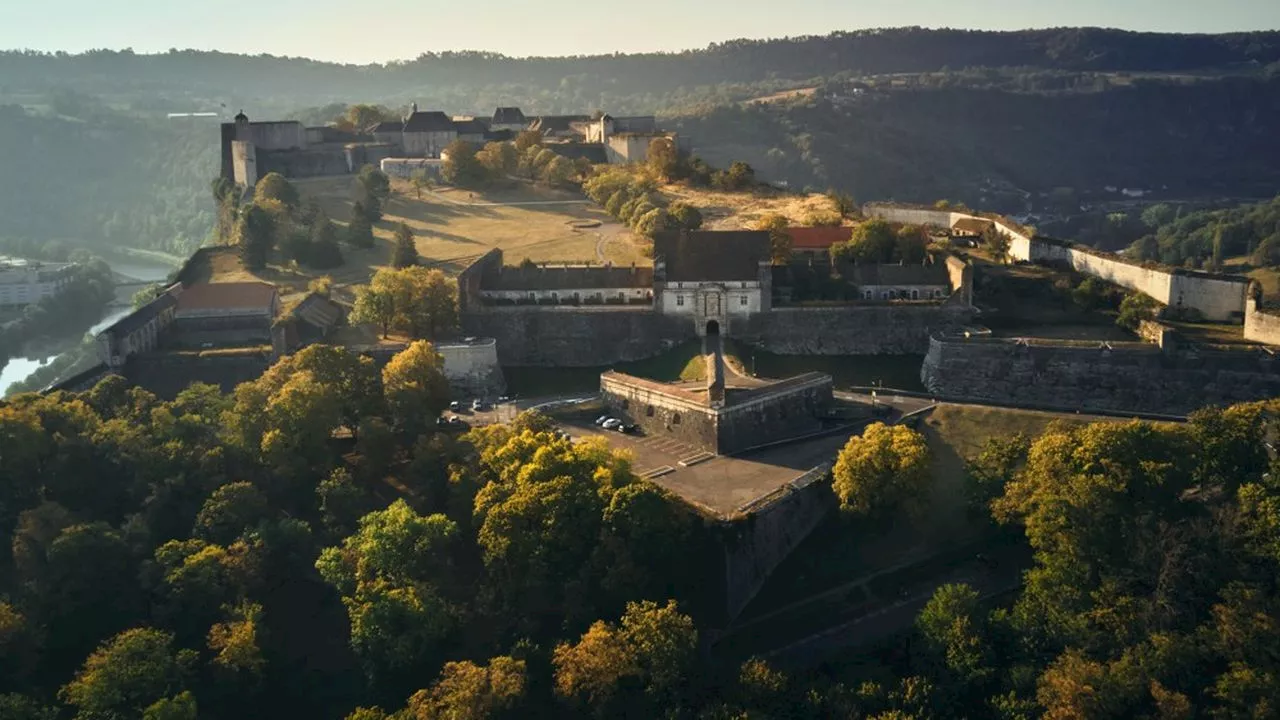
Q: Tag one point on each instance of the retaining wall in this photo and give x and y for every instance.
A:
(576, 337)
(1261, 325)
(1115, 377)
(898, 329)
(772, 528)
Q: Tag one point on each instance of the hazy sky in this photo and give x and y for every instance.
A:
(380, 30)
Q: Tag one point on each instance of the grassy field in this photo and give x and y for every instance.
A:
(741, 211)
(454, 226)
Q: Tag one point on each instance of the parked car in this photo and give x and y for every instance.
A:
(629, 428)
(477, 404)
(612, 424)
(455, 406)
(503, 399)
(603, 419)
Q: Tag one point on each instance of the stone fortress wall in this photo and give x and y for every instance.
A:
(1216, 297)
(1260, 324)
(1124, 377)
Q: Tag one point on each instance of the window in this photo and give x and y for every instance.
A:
(679, 301)
(648, 411)
(626, 404)
(915, 294)
(884, 294)
(742, 301)
(867, 295)
(937, 293)
(675, 418)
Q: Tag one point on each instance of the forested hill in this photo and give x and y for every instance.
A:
(904, 50)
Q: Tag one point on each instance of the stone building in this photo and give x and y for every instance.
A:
(814, 243)
(712, 275)
(138, 332)
(887, 281)
(567, 285)
(571, 127)
(24, 283)
(427, 133)
(728, 413)
(473, 130)
(225, 313)
(509, 119)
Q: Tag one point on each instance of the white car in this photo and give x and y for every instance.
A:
(603, 419)
(612, 424)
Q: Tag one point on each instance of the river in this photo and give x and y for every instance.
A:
(18, 369)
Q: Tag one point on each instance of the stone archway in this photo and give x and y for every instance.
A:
(713, 328)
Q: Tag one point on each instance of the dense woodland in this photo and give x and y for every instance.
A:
(235, 556)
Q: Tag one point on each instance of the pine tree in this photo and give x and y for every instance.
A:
(406, 252)
(254, 236)
(359, 230)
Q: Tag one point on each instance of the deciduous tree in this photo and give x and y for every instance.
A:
(416, 388)
(466, 691)
(128, 674)
(405, 250)
(883, 469)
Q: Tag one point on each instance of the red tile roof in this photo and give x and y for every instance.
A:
(817, 238)
(206, 296)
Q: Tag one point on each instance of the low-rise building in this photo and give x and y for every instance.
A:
(712, 275)
(24, 283)
(226, 313)
(567, 285)
(139, 331)
(427, 133)
(471, 129)
(886, 281)
(510, 119)
(814, 243)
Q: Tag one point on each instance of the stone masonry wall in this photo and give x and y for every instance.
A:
(1260, 325)
(1129, 377)
(576, 337)
(852, 329)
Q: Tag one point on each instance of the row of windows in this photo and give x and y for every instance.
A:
(742, 301)
(897, 294)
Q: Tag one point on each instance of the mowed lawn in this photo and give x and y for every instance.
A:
(453, 227)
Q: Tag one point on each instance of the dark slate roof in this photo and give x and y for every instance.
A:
(508, 116)
(573, 150)
(712, 255)
(973, 225)
(557, 123)
(429, 121)
(894, 274)
(318, 306)
(393, 126)
(510, 277)
(470, 127)
(141, 316)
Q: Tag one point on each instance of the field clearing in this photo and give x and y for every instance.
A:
(741, 211)
(455, 226)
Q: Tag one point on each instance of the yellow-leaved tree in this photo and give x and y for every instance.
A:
(882, 470)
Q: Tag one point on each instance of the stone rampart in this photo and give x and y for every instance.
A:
(1217, 297)
(769, 530)
(852, 329)
(1124, 377)
(1261, 324)
(574, 336)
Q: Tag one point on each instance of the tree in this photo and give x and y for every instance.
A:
(21, 707)
(844, 204)
(910, 245)
(558, 171)
(414, 300)
(461, 167)
(342, 502)
(779, 238)
(996, 242)
(372, 306)
(405, 252)
(324, 252)
(274, 186)
(685, 215)
(179, 707)
(528, 139)
(739, 176)
(416, 389)
(236, 645)
(954, 631)
(374, 185)
(885, 468)
(873, 241)
(125, 676)
(230, 511)
(359, 228)
(255, 235)
(499, 158)
(663, 158)
(654, 648)
(421, 182)
(466, 691)
(88, 592)
(1136, 307)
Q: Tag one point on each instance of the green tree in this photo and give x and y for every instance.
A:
(416, 389)
(230, 511)
(88, 592)
(461, 167)
(843, 203)
(779, 238)
(324, 251)
(274, 186)
(374, 183)
(685, 215)
(885, 468)
(125, 676)
(528, 139)
(421, 182)
(179, 707)
(1135, 308)
(954, 631)
(405, 250)
(873, 241)
(466, 691)
(663, 158)
(359, 228)
(910, 245)
(21, 707)
(374, 307)
(255, 236)
(342, 502)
